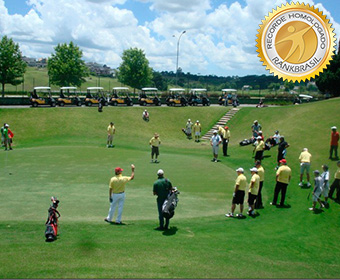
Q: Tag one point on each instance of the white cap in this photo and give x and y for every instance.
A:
(260, 131)
(197, 121)
(189, 120)
(305, 149)
(255, 121)
(333, 127)
(258, 137)
(240, 169)
(160, 172)
(6, 125)
(215, 131)
(254, 169)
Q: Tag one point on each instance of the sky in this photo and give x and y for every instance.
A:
(219, 39)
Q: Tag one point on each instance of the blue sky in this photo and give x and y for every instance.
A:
(219, 39)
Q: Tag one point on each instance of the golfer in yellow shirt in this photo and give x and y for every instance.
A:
(111, 130)
(155, 142)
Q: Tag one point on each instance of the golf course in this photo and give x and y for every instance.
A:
(62, 152)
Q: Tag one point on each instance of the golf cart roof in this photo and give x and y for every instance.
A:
(305, 96)
(95, 88)
(120, 88)
(68, 88)
(149, 89)
(177, 89)
(198, 89)
(42, 88)
(229, 90)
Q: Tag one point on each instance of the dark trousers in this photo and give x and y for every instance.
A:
(280, 187)
(160, 215)
(225, 146)
(335, 149)
(259, 155)
(335, 186)
(258, 202)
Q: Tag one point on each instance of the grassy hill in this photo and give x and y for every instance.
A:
(61, 151)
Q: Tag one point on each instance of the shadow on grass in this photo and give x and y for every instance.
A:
(305, 186)
(284, 206)
(266, 156)
(170, 231)
(255, 215)
(318, 211)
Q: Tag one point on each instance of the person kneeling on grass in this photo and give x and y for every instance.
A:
(317, 190)
(239, 192)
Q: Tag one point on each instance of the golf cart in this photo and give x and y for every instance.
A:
(176, 97)
(120, 96)
(68, 96)
(94, 95)
(198, 96)
(36, 100)
(149, 96)
(226, 96)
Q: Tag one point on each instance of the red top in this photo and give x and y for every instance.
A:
(334, 138)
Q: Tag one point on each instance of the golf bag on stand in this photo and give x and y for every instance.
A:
(169, 205)
(52, 221)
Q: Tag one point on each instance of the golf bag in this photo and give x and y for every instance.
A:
(246, 142)
(185, 132)
(169, 205)
(52, 221)
(100, 107)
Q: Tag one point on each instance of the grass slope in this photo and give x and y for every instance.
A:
(61, 151)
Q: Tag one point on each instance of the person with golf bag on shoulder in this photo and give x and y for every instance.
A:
(161, 188)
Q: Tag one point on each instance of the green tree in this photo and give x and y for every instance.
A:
(66, 67)
(329, 80)
(12, 66)
(134, 70)
(158, 81)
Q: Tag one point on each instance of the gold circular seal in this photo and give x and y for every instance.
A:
(295, 42)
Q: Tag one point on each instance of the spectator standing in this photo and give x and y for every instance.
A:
(2, 135)
(155, 142)
(305, 159)
(259, 148)
(197, 131)
(260, 172)
(317, 190)
(215, 141)
(188, 129)
(161, 188)
(325, 182)
(335, 185)
(334, 143)
(255, 128)
(111, 130)
(283, 145)
(7, 137)
(276, 138)
(254, 186)
(117, 193)
(239, 192)
(283, 176)
(225, 139)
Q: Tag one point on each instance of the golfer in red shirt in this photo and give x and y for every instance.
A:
(334, 143)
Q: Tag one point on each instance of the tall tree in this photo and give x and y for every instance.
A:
(66, 67)
(12, 66)
(134, 70)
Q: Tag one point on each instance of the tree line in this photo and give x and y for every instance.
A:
(66, 67)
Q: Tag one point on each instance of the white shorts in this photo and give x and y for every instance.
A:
(198, 133)
(215, 150)
(304, 166)
(316, 196)
(325, 190)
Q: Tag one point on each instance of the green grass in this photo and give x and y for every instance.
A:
(61, 151)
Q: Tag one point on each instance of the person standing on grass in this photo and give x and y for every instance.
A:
(111, 130)
(317, 190)
(305, 158)
(117, 193)
(283, 145)
(325, 182)
(225, 135)
(334, 143)
(188, 129)
(215, 141)
(161, 188)
(260, 172)
(255, 128)
(7, 137)
(239, 192)
(335, 185)
(253, 191)
(3, 135)
(197, 131)
(283, 176)
(276, 138)
(155, 142)
(259, 148)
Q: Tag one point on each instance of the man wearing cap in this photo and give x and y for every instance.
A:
(255, 128)
(111, 130)
(283, 145)
(239, 192)
(2, 135)
(305, 158)
(276, 138)
(317, 190)
(161, 188)
(155, 142)
(197, 131)
(188, 128)
(334, 143)
(283, 176)
(117, 193)
(215, 141)
(253, 190)
(260, 172)
(336, 184)
(225, 135)
(325, 182)
(259, 148)
(145, 115)
(7, 137)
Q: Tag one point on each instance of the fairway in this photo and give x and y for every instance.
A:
(62, 152)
